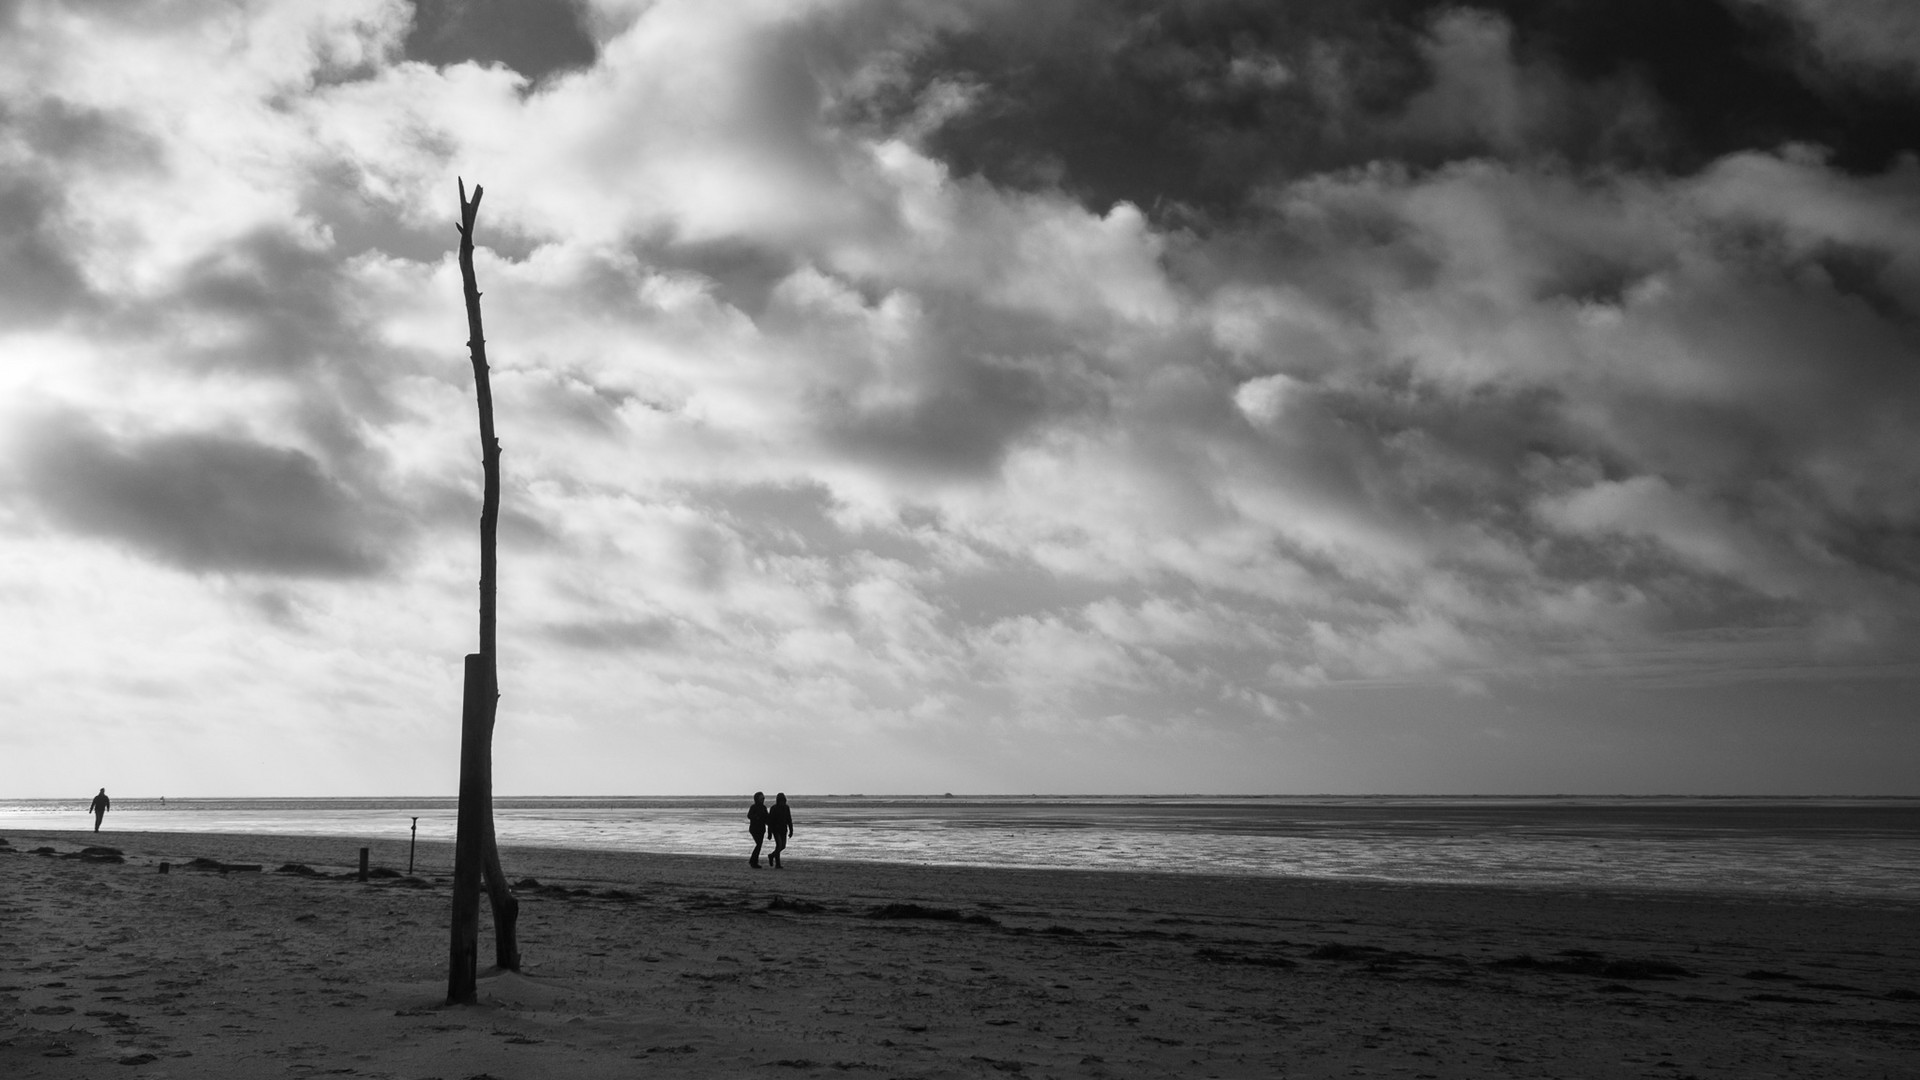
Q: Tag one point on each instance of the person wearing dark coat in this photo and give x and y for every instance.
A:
(101, 804)
(780, 823)
(757, 826)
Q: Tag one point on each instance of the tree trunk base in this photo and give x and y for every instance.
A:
(506, 909)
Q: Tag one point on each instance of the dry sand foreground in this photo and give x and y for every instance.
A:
(644, 965)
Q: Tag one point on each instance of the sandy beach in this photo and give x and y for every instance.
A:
(703, 967)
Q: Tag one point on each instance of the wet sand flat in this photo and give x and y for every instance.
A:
(663, 965)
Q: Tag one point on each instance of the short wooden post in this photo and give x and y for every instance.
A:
(411, 841)
(363, 864)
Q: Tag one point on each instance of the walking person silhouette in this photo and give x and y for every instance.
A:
(780, 823)
(101, 804)
(757, 826)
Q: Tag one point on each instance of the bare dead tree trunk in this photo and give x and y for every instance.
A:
(476, 855)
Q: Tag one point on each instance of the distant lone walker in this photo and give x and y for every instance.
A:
(101, 804)
(757, 826)
(780, 821)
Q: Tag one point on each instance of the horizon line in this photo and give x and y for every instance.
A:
(1018, 795)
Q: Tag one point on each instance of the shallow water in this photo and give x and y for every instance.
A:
(1864, 848)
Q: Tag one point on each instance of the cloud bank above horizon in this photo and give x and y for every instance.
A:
(959, 396)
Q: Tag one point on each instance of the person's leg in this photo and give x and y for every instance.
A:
(98, 817)
(779, 842)
(759, 838)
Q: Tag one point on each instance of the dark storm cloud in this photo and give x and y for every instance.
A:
(1726, 74)
(39, 279)
(961, 420)
(1885, 543)
(280, 305)
(1198, 103)
(536, 38)
(205, 502)
(1134, 102)
(742, 271)
(281, 311)
(1856, 41)
(59, 130)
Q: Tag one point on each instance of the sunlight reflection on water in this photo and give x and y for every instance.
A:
(1859, 848)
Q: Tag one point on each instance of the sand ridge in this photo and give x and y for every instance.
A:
(697, 967)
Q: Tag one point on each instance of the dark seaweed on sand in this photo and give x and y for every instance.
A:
(1339, 951)
(936, 914)
(1222, 956)
(1373, 957)
(222, 867)
(533, 885)
(1581, 962)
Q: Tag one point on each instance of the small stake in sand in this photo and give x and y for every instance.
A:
(411, 841)
(476, 855)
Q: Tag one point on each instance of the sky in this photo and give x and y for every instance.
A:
(1331, 396)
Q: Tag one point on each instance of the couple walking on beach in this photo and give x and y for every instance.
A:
(761, 818)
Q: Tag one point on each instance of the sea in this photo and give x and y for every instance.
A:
(1834, 848)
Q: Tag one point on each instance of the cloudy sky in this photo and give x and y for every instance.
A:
(1322, 396)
